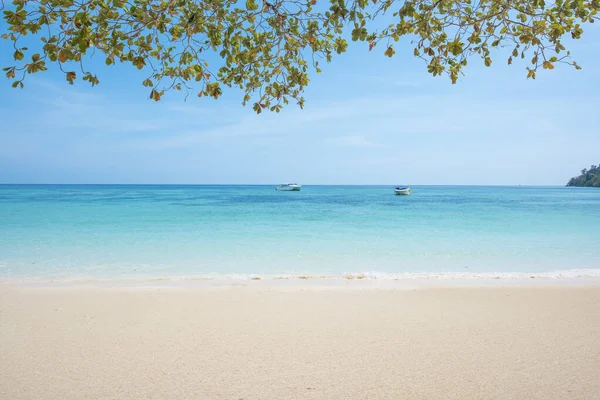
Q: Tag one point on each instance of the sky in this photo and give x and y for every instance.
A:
(368, 119)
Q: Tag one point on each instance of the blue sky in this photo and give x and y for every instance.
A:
(368, 120)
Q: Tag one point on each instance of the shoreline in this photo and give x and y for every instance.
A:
(358, 281)
(552, 275)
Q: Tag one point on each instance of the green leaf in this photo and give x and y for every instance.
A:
(18, 55)
(456, 48)
(251, 5)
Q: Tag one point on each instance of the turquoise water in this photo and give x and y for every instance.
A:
(138, 231)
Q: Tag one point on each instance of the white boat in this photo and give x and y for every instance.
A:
(289, 187)
(402, 190)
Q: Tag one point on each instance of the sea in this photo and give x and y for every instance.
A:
(212, 232)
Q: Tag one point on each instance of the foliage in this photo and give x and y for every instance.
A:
(268, 47)
(588, 178)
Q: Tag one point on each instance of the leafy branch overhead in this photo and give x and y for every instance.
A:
(267, 48)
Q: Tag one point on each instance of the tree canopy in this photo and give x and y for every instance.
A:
(267, 48)
(588, 178)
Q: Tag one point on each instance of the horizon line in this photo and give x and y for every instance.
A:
(272, 184)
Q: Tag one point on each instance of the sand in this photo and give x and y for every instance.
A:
(303, 341)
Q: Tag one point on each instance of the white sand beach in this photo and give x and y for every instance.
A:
(300, 341)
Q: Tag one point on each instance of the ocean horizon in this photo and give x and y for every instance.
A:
(226, 231)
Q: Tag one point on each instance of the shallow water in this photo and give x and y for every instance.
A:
(170, 231)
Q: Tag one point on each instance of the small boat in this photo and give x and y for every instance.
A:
(402, 190)
(289, 187)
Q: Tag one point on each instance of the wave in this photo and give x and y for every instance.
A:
(570, 274)
(373, 275)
